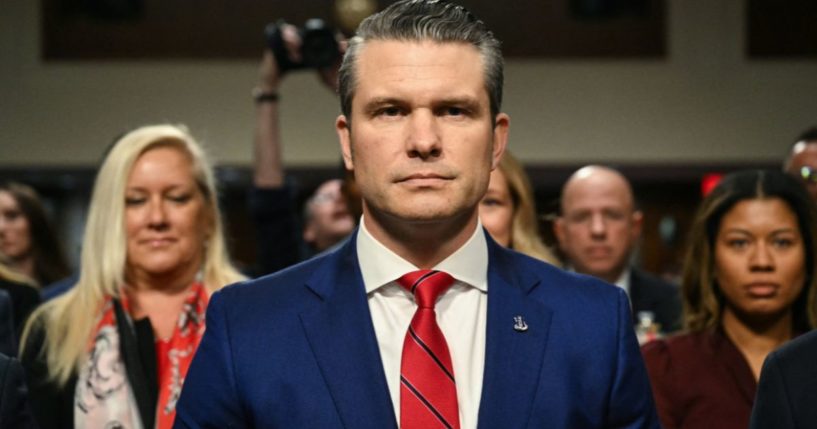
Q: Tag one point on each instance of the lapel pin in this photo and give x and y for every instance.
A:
(519, 324)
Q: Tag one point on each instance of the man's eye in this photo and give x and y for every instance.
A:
(614, 215)
(389, 111)
(452, 111)
(579, 217)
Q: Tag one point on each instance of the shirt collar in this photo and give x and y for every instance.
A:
(624, 280)
(380, 266)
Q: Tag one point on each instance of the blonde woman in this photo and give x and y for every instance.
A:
(115, 349)
(508, 211)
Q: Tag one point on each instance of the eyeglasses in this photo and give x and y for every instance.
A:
(808, 174)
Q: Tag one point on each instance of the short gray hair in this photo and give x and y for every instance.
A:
(417, 20)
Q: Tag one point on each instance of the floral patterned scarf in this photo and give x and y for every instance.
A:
(104, 397)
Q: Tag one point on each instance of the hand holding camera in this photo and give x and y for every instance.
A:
(315, 46)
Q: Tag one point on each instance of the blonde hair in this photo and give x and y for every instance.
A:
(68, 321)
(7, 273)
(525, 236)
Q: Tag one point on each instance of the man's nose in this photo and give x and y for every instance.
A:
(598, 227)
(423, 140)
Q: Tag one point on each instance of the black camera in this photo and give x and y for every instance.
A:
(319, 48)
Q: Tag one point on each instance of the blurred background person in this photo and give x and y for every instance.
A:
(802, 160)
(598, 229)
(508, 211)
(8, 338)
(327, 220)
(115, 349)
(23, 298)
(748, 287)
(14, 409)
(27, 239)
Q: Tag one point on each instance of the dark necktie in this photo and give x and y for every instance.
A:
(428, 393)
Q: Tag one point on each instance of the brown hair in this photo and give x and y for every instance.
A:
(50, 264)
(703, 301)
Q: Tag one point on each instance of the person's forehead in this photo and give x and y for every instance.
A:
(388, 60)
(597, 192)
(330, 186)
(7, 201)
(749, 213)
(805, 153)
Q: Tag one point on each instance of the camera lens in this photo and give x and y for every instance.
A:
(319, 48)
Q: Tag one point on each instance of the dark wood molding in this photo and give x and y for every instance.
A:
(224, 29)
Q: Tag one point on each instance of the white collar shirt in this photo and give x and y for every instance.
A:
(624, 280)
(461, 313)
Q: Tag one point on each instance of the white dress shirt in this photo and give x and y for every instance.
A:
(624, 280)
(461, 313)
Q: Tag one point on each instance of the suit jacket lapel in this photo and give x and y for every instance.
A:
(341, 335)
(513, 356)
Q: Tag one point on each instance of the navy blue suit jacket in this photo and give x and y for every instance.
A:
(298, 349)
(787, 391)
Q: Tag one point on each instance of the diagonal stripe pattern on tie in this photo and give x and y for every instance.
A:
(428, 392)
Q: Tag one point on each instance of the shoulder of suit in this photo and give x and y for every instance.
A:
(280, 283)
(555, 282)
(801, 349)
(647, 279)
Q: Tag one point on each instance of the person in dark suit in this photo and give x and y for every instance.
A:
(597, 230)
(420, 319)
(8, 338)
(14, 411)
(655, 299)
(787, 390)
(24, 298)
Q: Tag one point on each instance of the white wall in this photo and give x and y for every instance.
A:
(704, 102)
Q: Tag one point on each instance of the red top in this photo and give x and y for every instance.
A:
(700, 380)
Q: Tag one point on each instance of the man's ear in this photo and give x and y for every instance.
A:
(502, 125)
(559, 230)
(344, 137)
(637, 222)
(309, 234)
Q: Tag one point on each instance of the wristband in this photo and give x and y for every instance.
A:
(261, 96)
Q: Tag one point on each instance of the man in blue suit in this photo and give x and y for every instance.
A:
(339, 341)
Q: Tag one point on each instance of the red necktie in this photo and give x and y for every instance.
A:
(428, 393)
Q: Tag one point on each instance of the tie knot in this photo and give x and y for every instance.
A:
(426, 285)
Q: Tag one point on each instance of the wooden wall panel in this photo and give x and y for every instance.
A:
(782, 28)
(224, 29)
